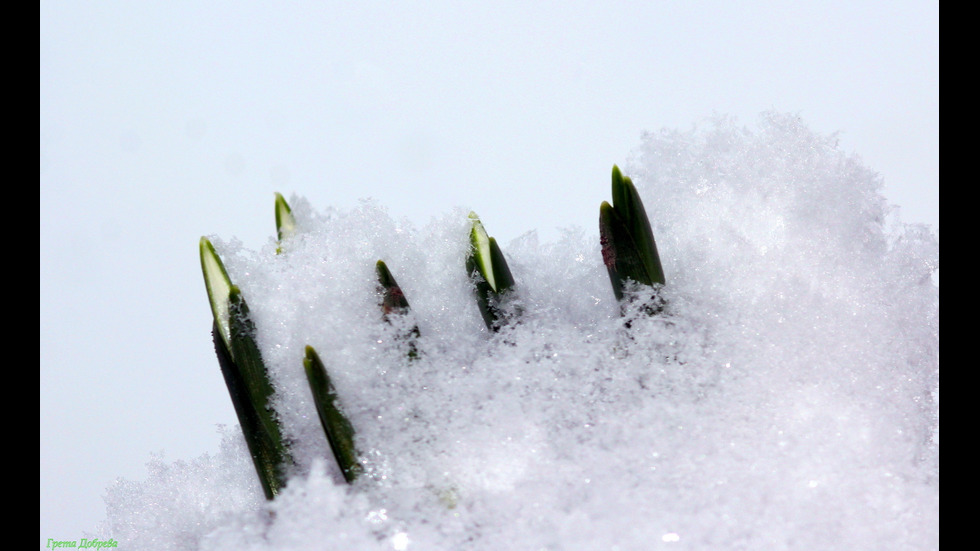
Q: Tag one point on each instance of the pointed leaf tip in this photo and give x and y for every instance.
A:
(489, 271)
(336, 426)
(482, 253)
(393, 301)
(219, 288)
(383, 272)
(392, 298)
(629, 250)
(627, 204)
(285, 222)
(616, 173)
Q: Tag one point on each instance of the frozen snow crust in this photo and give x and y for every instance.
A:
(787, 398)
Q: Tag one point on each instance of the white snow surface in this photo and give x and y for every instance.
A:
(788, 397)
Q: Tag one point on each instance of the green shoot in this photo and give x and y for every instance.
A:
(245, 374)
(489, 271)
(481, 252)
(219, 287)
(285, 223)
(340, 433)
(628, 248)
(393, 302)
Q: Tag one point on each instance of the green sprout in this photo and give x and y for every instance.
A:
(285, 223)
(393, 302)
(628, 251)
(245, 373)
(340, 433)
(488, 270)
(628, 248)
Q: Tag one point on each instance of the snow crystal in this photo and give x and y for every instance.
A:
(787, 398)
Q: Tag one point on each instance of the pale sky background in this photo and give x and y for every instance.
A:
(165, 121)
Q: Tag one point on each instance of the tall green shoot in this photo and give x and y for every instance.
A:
(336, 426)
(629, 251)
(245, 373)
(490, 274)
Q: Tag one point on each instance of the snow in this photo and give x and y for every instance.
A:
(788, 397)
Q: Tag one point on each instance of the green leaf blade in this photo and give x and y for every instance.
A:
(267, 458)
(489, 273)
(627, 202)
(394, 303)
(629, 250)
(285, 222)
(393, 300)
(338, 429)
(501, 271)
(245, 373)
(248, 358)
(482, 254)
(218, 285)
(619, 251)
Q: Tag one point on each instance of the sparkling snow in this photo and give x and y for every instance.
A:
(786, 399)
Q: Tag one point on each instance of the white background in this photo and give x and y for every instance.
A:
(161, 122)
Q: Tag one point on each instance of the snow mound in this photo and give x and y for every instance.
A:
(786, 399)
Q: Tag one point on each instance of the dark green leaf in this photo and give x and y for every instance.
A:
(244, 373)
(501, 272)
(619, 251)
(629, 251)
(626, 201)
(340, 433)
(490, 275)
(266, 455)
(245, 352)
(393, 302)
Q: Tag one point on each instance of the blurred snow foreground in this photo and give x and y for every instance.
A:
(787, 397)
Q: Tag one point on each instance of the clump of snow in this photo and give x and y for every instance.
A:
(786, 399)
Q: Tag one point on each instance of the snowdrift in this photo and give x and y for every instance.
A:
(786, 397)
